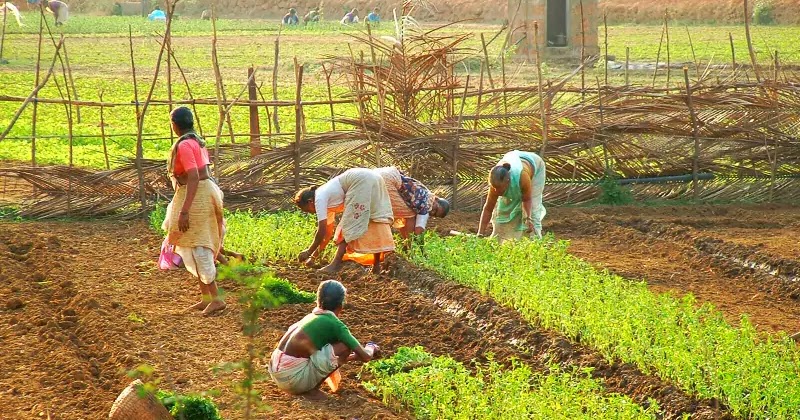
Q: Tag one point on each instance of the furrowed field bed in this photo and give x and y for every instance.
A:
(693, 347)
(670, 264)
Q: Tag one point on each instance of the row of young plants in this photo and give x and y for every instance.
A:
(755, 375)
(443, 388)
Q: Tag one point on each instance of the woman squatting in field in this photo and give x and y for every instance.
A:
(313, 349)
(514, 202)
(365, 228)
(194, 221)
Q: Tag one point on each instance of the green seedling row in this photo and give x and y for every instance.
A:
(443, 388)
(756, 376)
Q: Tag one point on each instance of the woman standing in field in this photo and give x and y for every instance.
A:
(313, 349)
(365, 227)
(514, 203)
(194, 222)
(412, 202)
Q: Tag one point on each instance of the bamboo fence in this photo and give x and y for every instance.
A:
(708, 138)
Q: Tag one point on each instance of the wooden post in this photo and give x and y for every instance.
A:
(275, 120)
(189, 92)
(168, 40)
(255, 128)
(328, 75)
(750, 42)
(480, 99)
(103, 131)
(601, 131)
(221, 95)
(505, 94)
(298, 116)
(541, 93)
(777, 67)
(35, 102)
(139, 151)
(695, 133)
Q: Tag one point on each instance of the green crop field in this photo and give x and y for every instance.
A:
(99, 54)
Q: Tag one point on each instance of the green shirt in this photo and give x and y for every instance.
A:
(326, 328)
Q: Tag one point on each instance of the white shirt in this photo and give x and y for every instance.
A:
(330, 194)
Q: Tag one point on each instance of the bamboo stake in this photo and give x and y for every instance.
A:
(36, 102)
(34, 93)
(72, 84)
(627, 66)
(733, 56)
(486, 57)
(777, 67)
(276, 122)
(381, 97)
(694, 56)
(3, 33)
(268, 115)
(606, 160)
(103, 132)
(541, 93)
(750, 42)
(666, 32)
(298, 112)
(168, 40)
(255, 126)
(68, 112)
(658, 56)
(505, 95)
(139, 152)
(605, 59)
(583, 55)
(220, 85)
(456, 143)
(480, 99)
(191, 101)
(695, 133)
(330, 94)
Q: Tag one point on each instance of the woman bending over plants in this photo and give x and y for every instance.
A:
(313, 349)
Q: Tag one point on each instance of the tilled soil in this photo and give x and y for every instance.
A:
(84, 302)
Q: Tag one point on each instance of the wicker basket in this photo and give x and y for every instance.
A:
(129, 406)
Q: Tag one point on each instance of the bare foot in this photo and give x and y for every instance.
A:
(199, 306)
(214, 306)
(331, 268)
(315, 395)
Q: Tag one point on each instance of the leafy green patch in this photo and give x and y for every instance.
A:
(189, 407)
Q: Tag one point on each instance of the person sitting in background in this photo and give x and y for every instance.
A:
(59, 10)
(373, 17)
(312, 16)
(350, 17)
(291, 17)
(313, 349)
(206, 15)
(157, 15)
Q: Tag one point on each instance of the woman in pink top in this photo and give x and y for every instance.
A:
(194, 222)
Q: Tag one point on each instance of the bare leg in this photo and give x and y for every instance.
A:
(336, 264)
(205, 298)
(216, 304)
(376, 264)
(342, 352)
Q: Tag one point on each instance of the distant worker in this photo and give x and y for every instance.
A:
(350, 18)
(514, 202)
(5, 7)
(206, 15)
(313, 16)
(314, 348)
(373, 18)
(59, 10)
(291, 18)
(157, 15)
